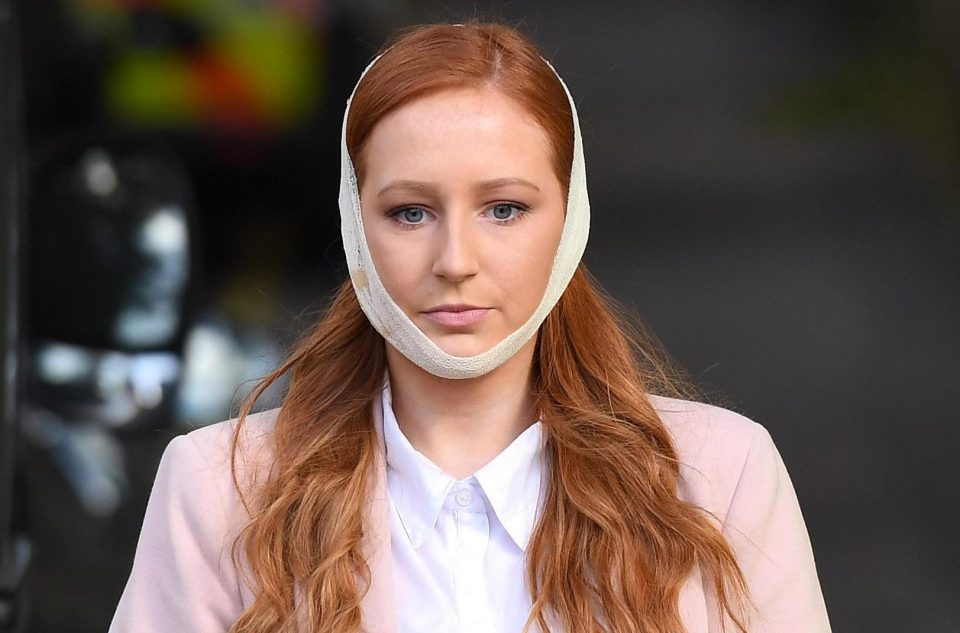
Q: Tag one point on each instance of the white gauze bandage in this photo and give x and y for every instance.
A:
(397, 328)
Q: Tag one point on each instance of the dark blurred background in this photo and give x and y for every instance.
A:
(776, 191)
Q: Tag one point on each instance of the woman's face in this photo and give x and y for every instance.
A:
(463, 214)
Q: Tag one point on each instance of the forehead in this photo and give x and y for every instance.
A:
(472, 129)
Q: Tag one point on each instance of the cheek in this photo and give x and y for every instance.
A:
(526, 271)
(396, 263)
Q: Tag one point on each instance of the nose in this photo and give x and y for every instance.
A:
(455, 255)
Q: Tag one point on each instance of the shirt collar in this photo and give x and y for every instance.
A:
(511, 481)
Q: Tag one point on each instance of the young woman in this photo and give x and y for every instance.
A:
(470, 441)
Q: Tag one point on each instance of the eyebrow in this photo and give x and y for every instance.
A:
(485, 185)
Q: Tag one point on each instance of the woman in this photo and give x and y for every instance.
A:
(467, 441)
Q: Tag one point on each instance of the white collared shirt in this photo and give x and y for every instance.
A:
(458, 545)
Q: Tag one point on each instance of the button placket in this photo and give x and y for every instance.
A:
(473, 538)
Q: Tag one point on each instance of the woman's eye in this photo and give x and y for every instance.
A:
(409, 215)
(506, 211)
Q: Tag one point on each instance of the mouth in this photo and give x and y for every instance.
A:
(456, 315)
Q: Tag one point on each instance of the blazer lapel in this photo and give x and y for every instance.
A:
(378, 609)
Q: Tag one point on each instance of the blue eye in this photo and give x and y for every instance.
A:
(409, 215)
(413, 215)
(506, 211)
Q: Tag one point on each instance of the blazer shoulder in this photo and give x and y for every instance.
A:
(730, 467)
(706, 430)
(212, 449)
(218, 437)
(714, 445)
(184, 576)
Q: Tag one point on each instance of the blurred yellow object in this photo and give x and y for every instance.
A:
(151, 86)
(280, 58)
(254, 68)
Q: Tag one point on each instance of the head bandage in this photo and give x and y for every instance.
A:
(397, 328)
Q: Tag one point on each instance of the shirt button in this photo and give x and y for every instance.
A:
(464, 497)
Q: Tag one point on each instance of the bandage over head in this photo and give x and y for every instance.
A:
(397, 328)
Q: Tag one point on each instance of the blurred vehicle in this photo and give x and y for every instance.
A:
(110, 265)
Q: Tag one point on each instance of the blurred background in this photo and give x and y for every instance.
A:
(776, 191)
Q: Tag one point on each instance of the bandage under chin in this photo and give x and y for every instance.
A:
(397, 328)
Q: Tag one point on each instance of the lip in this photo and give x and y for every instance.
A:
(456, 315)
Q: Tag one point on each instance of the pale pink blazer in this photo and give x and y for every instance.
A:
(184, 580)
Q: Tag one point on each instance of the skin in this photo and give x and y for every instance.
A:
(460, 205)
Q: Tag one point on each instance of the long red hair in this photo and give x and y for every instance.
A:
(615, 543)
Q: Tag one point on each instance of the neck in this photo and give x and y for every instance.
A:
(460, 425)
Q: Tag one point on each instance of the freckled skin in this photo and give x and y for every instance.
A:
(459, 242)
